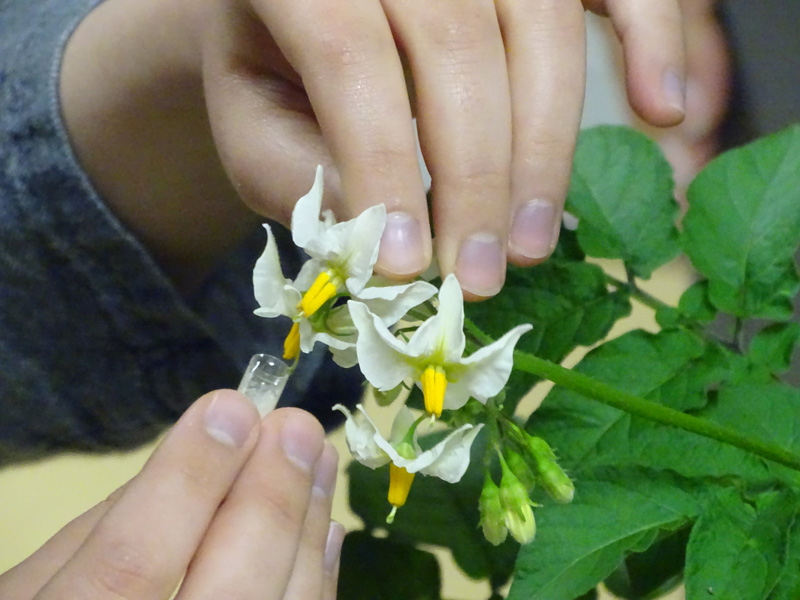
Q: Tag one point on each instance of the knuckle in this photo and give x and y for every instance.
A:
(285, 510)
(482, 176)
(123, 571)
(338, 50)
(462, 37)
(194, 476)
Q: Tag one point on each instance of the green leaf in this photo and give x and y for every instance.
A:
(653, 573)
(736, 549)
(568, 303)
(622, 193)
(436, 513)
(373, 568)
(671, 367)
(769, 412)
(579, 544)
(694, 304)
(788, 585)
(774, 346)
(743, 226)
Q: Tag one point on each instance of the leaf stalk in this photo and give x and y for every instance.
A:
(635, 405)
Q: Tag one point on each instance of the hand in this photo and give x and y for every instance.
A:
(289, 84)
(241, 508)
(694, 142)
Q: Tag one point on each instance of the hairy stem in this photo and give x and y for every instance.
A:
(634, 405)
(636, 292)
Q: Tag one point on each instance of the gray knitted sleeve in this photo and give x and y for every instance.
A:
(97, 349)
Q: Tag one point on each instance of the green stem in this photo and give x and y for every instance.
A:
(632, 404)
(637, 292)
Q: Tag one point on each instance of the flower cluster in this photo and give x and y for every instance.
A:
(398, 335)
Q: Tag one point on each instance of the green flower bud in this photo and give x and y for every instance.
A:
(552, 477)
(492, 521)
(517, 512)
(521, 469)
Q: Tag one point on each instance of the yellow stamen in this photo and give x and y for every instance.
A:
(399, 485)
(434, 384)
(291, 345)
(318, 294)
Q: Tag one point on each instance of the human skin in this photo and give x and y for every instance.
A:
(206, 505)
(179, 110)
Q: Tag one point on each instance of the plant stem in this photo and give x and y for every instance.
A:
(634, 405)
(659, 413)
(637, 292)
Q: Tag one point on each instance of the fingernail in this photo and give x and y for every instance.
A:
(674, 90)
(534, 232)
(301, 441)
(333, 546)
(325, 476)
(229, 422)
(401, 250)
(481, 264)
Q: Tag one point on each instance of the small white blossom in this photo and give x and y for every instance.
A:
(343, 255)
(346, 250)
(434, 354)
(448, 460)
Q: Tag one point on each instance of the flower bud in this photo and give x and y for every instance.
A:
(517, 512)
(552, 477)
(521, 469)
(492, 520)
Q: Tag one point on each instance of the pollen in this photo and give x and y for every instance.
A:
(434, 384)
(400, 482)
(322, 290)
(291, 345)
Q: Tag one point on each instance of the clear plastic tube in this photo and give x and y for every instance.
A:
(263, 381)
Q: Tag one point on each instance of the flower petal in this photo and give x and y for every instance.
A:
(403, 421)
(361, 246)
(306, 225)
(274, 293)
(308, 274)
(452, 459)
(488, 369)
(310, 336)
(451, 308)
(441, 337)
(360, 433)
(380, 354)
(391, 302)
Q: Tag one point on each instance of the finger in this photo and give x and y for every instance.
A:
(309, 567)
(653, 47)
(251, 548)
(690, 145)
(457, 57)
(263, 125)
(333, 552)
(345, 53)
(546, 50)
(141, 547)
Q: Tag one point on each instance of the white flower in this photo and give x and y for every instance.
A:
(434, 354)
(343, 252)
(448, 460)
(346, 252)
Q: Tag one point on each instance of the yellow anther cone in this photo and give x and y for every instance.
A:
(318, 294)
(291, 345)
(400, 482)
(434, 384)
